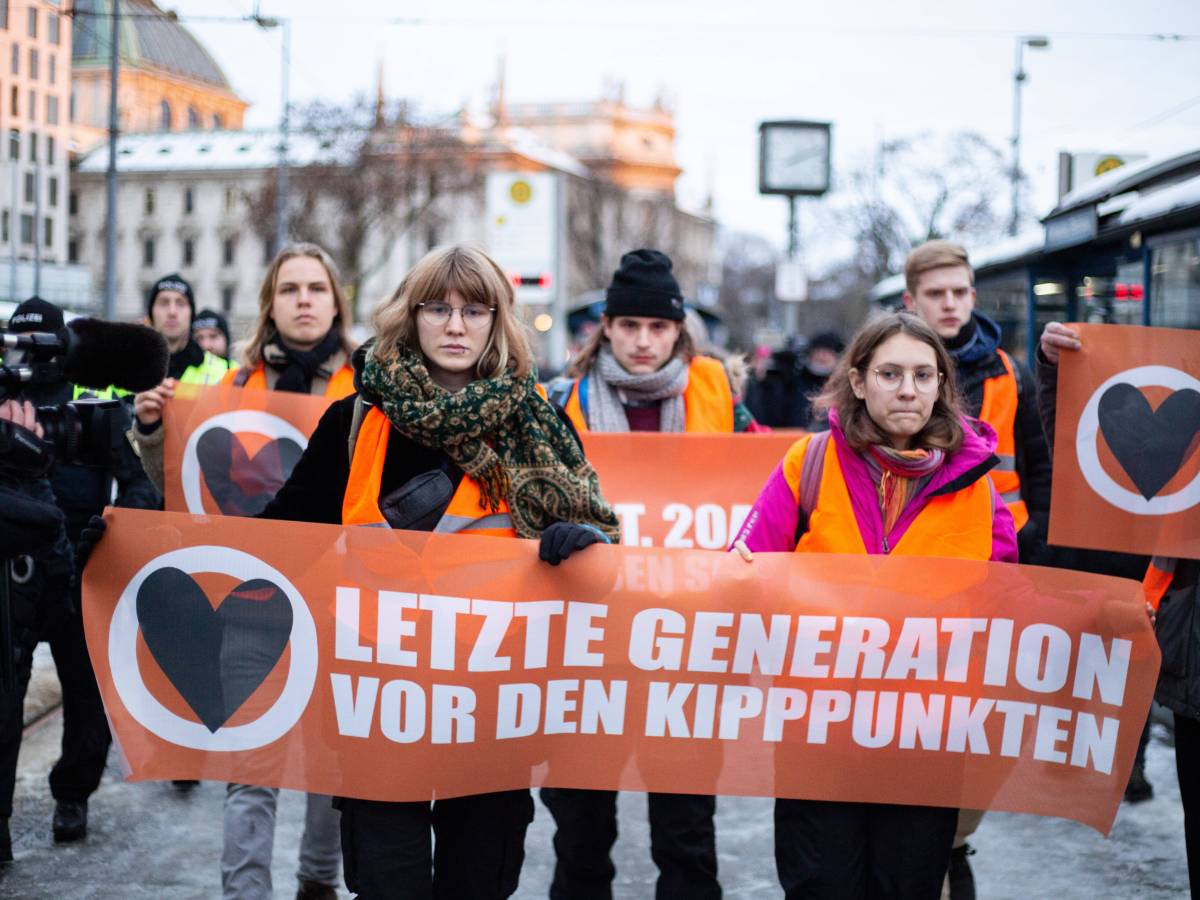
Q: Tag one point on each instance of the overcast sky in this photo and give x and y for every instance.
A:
(874, 68)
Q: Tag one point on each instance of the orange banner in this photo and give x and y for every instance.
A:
(228, 450)
(1126, 466)
(399, 666)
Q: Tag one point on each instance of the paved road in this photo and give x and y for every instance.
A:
(146, 841)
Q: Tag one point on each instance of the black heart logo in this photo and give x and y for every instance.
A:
(216, 658)
(1151, 445)
(242, 485)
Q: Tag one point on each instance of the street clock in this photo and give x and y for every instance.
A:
(793, 158)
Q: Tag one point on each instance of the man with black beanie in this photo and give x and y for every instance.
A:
(170, 309)
(210, 330)
(80, 492)
(641, 372)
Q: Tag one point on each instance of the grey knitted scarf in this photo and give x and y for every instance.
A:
(610, 387)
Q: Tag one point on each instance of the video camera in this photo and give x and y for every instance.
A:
(87, 352)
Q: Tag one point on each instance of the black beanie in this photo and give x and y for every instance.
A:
(35, 314)
(828, 340)
(172, 282)
(644, 286)
(210, 318)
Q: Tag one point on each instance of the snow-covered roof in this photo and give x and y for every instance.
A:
(203, 150)
(982, 258)
(525, 143)
(1125, 178)
(1181, 195)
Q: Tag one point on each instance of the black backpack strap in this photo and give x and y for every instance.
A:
(360, 412)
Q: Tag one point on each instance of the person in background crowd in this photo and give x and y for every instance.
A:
(81, 492)
(1000, 390)
(170, 309)
(736, 369)
(1172, 588)
(450, 355)
(641, 372)
(301, 343)
(211, 331)
(914, 469)
(782, 398)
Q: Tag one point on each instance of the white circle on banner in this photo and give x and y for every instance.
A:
(146, 708)
(238, 421)
(1087, 438)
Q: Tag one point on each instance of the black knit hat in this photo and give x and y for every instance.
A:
(644, 286)
(210, 318)
(35, 314)
(828, 340)
(172, 282)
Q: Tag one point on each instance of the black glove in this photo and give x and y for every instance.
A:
(562, 539)
(89, 537)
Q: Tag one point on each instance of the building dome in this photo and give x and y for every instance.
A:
(149, 38)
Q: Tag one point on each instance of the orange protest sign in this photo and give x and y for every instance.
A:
(1126, 466)
(683, 490)
(399, 666)
(227, 450)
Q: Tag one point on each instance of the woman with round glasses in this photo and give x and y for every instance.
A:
(447, 432)
(900, 471)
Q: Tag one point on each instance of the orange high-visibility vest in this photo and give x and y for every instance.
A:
(707, 399)
(466, 513)
(1158, 580)
(341, 383)
(957, 525)
(999, 410)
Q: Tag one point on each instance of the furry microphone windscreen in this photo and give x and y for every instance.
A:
(99, 353)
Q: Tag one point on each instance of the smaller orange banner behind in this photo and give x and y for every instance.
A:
(1127, 436)
(227, 450)
(401, 666)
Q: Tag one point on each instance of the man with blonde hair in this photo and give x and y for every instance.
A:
(1000, 390)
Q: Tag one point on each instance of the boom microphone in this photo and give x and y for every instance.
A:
(96, 353)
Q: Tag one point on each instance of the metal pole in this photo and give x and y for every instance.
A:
(37, 223)
(14, 217)
(281, 175)
(790, 313)
(110, 218)
(1018, 81)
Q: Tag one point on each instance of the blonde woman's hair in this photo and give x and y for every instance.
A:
(264, 326)
(474, 276)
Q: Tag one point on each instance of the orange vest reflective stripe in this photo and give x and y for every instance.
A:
(707, 399)
(1158, 579)
(466, 513)
(341, 383)
(999, 410)
(957, 525)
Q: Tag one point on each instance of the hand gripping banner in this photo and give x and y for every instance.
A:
(401, 666)
(1127, 436)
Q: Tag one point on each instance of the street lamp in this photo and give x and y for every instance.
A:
(1037, 42)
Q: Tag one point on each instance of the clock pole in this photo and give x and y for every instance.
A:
(790, 314)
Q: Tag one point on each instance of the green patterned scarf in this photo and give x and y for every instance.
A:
(503, 434)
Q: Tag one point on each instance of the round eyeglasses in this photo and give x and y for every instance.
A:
(437, 313)
(925, 380)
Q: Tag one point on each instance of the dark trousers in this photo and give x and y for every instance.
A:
(480, 846)
(85, 738)
(12, 725)
(862, 851)
(682, 844)
(1187, 766)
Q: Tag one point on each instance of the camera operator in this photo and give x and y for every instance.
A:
(81, 492)
(37, 556)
